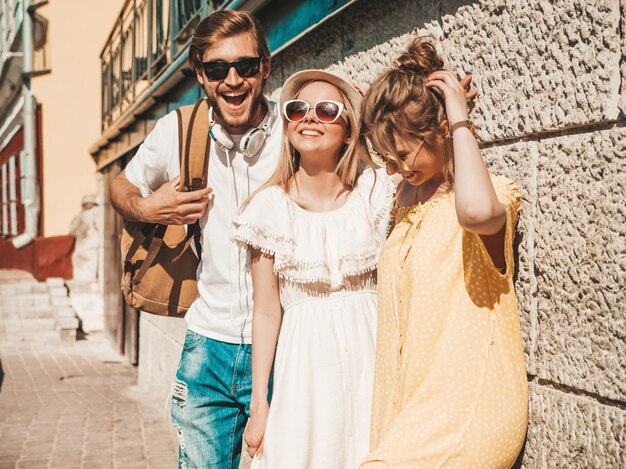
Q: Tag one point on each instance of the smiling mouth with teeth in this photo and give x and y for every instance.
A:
(311, 133)
(235, 99)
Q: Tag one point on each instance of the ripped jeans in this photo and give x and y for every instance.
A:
(211, 402)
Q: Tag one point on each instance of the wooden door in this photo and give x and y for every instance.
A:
(113, 302)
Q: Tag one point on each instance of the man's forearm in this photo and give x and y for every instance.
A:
(126, 198)
(165, 205)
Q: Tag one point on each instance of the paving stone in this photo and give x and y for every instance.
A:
(24, 288)
(28, 312)
(54, 282)
(64, 312)
(25, 300)
(41, 298)
(40, 287)
(58, 291)
(10, 302)
(57, 301)
(69, 424)
(11, 314)
(28, 325)
(37, 463)
(44, 310)
(8, 290)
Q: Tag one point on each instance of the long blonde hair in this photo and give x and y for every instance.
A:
(349, 166)
(400, 103)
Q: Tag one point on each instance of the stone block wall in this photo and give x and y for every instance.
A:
(551, 78)
(160, 344)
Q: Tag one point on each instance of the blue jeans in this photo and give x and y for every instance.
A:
(211, 402)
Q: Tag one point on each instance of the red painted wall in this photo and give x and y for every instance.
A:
(44, 257)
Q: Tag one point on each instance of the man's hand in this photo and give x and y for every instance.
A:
(167, 206)
(255, 431)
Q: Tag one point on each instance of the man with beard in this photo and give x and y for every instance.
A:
(211, 394)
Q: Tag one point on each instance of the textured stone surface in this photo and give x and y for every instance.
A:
(160, 343)
(362, 40)
(580, 262)
(538, 65)
(622, 100)
(374, 36)
(322, 47)
(568, 431)
(518, 162)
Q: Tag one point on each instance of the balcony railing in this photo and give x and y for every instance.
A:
(11, 13)
(147, 36)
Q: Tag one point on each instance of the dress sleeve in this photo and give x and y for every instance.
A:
(509, 195)
(148, 169)
(265, 224)
(377, 189)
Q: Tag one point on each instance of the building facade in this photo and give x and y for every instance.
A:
(49, 114)
(551, 79)
(22, 58)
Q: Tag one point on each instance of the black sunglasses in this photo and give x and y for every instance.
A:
(245, 68)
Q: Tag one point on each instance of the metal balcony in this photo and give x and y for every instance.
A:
(12, 50)
(147, 36)
(150, 37)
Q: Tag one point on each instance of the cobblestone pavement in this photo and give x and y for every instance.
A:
(75, 405)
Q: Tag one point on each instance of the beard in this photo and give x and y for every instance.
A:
(239, 119)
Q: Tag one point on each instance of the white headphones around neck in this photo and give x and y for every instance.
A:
(251, 142)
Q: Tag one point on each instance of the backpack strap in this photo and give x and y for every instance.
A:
(194, 145)
(146, 232)
(156, 241)
(194, 148)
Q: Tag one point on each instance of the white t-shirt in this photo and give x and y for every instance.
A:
(223, 309)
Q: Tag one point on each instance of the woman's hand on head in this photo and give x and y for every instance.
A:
(448, 85)
(359, 88)
(466, 82)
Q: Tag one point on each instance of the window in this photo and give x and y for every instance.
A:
(5, 200)
(12, 196)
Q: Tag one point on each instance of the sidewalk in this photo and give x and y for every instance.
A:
(75, 405)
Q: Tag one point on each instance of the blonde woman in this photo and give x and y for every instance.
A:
(450, 386)
(314, 234)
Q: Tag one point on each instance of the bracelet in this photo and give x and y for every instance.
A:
(456, 125)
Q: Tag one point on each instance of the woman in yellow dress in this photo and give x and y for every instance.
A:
(450, 380)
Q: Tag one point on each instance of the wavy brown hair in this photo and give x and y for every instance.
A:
(223, 24)
(399, 103)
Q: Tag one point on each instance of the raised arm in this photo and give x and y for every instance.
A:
(166, 205)
(266, 320)
(477, 206)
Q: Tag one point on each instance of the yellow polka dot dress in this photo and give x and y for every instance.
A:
(450, 384)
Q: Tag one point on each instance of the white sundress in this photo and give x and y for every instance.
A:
(319, 416)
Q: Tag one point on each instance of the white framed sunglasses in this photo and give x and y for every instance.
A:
(326, 111)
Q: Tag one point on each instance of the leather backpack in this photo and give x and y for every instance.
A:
(159, 265)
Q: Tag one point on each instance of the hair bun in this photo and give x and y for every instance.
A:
(420, 57)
